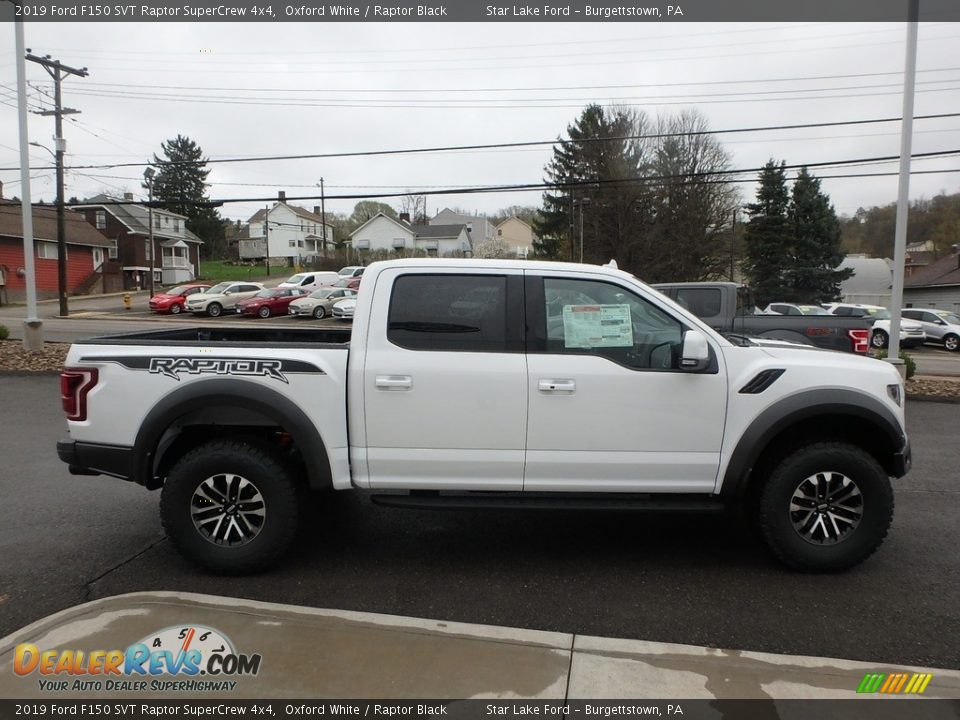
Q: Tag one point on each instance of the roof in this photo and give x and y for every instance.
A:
(78, 230)
(945, 271)
(438, 231)
(405, 226)
(295, 209)
(513, 217)
(137, 216)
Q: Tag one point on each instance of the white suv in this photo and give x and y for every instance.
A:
(911, 333)
(225, 295)
(941, 326)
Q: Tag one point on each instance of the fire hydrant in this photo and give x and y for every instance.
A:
(128, 301)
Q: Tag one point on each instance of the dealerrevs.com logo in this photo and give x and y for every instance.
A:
(190, 658)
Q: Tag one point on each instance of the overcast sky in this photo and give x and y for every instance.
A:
(282, 88)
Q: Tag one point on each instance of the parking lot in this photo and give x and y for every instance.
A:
(675, 578)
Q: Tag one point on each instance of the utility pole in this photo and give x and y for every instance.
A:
(323, 216)
(733, 240)
(266, 237)
(56, 70)
(148, 176)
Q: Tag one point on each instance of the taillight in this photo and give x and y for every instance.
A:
(75, 383)
(860, 340)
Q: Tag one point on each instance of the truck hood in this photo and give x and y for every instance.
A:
(833, 358)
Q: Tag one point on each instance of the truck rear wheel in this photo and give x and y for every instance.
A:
(231, 506)
(826, 507)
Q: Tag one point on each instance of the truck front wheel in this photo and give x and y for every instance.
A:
(231, 506)
(826, 507)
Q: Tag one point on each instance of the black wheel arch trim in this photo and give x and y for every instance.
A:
(802, 406)
(241, 394)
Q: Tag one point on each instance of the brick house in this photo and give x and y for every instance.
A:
(176, 250)
(86, 252)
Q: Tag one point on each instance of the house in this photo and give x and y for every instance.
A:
(293, 234)
(86, 252)
(517, 234)
(383, 233)
(176, 250)
(478, 227)
(935, 286)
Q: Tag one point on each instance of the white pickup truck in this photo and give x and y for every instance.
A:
(500, 384)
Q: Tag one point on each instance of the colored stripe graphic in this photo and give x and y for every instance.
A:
(895, 683)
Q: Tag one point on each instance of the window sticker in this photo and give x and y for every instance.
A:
(595, 326)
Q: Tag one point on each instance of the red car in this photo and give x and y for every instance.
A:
(267, 302)
(173, 300)
(353, 283)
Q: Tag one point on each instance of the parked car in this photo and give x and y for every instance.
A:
(343, 310)
(940, 326)
(351, 271)
(174, 299)
(319, 303)
(729, 309)
(223, 296)
(638, 405)
(791, 309)
(310, 281)
(353, 283)
(269, 302)
(911, 333)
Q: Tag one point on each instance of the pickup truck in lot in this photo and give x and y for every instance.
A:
(727, 308)
(496, 384)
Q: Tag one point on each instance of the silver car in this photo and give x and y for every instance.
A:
(343, 310)
(941, 326)
(319, 303)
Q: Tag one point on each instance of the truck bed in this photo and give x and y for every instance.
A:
(235, 336)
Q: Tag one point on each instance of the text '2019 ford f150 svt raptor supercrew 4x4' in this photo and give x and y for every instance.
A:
(500, 384)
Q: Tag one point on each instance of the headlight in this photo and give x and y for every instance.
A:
(895, 392)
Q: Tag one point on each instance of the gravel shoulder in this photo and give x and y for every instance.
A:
(14, 360)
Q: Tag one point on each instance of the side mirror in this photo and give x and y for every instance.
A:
(695, 355)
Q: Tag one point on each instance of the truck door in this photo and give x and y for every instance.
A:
(610, 411)
(445, 380)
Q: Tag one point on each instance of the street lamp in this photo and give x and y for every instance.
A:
(148, 176)
(61, 231)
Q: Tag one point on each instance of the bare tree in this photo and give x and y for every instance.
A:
(416, 207)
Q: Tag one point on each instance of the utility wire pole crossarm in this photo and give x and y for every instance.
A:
(57, 70)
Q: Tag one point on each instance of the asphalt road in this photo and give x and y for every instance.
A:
(705, 581)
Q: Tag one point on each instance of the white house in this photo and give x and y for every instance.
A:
(384, 233)
(292, 232)
(478, 227)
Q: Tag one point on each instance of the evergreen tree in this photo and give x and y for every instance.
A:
(181, 187)
(768, 236)
(812, 276)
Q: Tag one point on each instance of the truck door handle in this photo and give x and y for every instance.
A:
(557, 386)
(394, 382)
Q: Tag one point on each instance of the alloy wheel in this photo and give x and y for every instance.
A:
(826, 508)
(228, 510)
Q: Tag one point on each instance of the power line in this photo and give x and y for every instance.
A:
(488, 146)
(713, 177)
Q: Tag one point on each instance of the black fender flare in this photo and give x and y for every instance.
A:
(802, 406)
(231, 393)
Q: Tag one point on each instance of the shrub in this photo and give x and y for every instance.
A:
(907, 360)
(4, 333)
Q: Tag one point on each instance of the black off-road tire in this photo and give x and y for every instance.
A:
(282, 498)
(777, 521)
(214, 309)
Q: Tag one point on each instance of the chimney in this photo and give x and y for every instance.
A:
(316, 209)
(282, 196)
(1, 191)
(405, 217)
(128, 196)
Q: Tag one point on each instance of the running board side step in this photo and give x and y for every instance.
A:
(428, 500)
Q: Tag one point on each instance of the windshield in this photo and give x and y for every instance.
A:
(267, 293)
(296, 279)
(948, 317)
(812, 310)
(219, 288)
(179, 290)
(346, 271)
(321, 294)
(881, 314)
